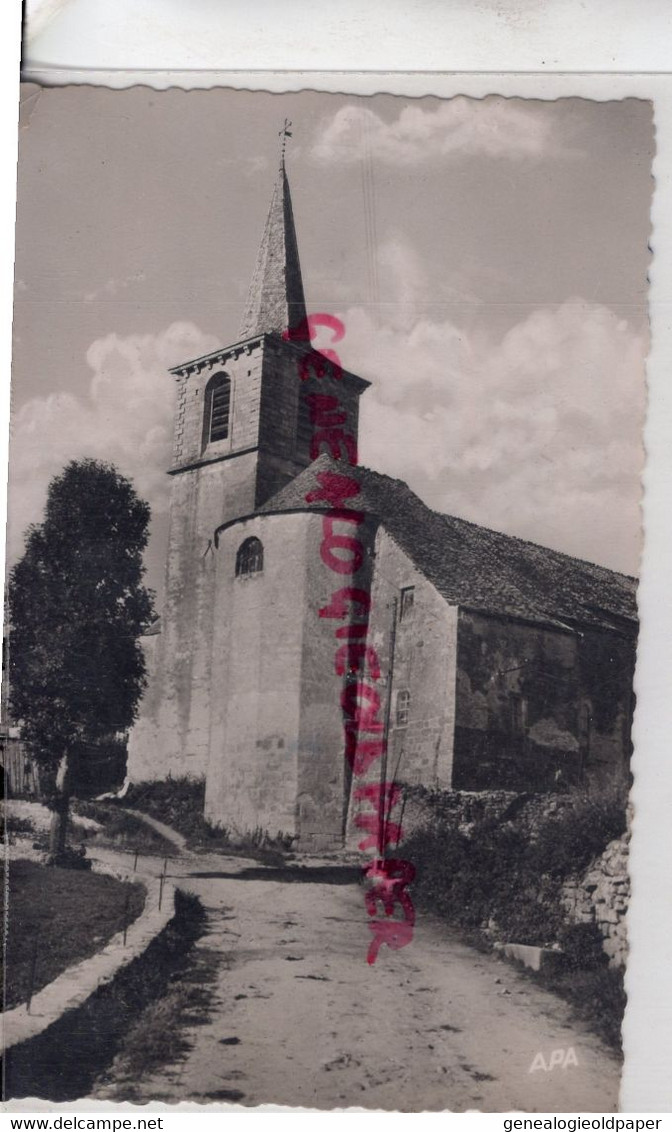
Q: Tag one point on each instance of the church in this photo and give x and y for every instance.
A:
(324, 631)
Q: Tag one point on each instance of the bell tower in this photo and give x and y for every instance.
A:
(240, 404)
(241, 434)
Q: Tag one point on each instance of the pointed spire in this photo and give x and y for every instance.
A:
(275, 300)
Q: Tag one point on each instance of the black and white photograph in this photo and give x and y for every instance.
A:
(324, 532)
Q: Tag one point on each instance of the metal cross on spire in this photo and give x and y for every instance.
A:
(284, 133)
(276, 300)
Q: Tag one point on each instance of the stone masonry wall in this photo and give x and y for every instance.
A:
(465, 807)
(208, 486)
(601, 897)
(256, 679)
(420, 738)
(214, 483)
(539, 708)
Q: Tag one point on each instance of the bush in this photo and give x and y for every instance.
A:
(582, 947)
(179, 802)
(597, 997)
(13, 824)
(503, 875)
(566, 844)
(120, 830)
(69, 858)
(484, 876)
(510, 869)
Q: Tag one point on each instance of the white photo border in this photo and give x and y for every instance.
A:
(646, 1085)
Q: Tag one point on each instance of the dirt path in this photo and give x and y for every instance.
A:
(298, 1018)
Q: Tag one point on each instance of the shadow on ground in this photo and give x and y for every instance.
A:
(291, 874)
(63, 1062)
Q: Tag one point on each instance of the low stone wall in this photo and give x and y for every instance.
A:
(464, 807)
(601, 896)
(76, 984)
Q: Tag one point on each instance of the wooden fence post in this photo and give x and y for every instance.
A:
(127, 904)
(31, 976)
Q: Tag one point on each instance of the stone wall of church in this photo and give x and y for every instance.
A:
(325, 780)
(539, 708)
(277, 744)
(285, 431)
(213, 483)
(256, 678)
(172, 732)
(422, 704)
(171, 735)
(243, 366)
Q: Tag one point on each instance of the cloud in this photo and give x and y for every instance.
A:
(461, 127)
(537, 433)
(114, 287)
(125, 418)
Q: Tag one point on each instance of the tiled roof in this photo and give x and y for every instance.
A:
(477, 568)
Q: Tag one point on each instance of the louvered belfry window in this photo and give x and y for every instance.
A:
(218, 408)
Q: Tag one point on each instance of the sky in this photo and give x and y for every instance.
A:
(487, 257)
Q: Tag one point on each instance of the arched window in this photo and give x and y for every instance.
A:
(217, 409)
(250, 557)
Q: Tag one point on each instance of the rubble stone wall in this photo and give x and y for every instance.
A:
(601, 896)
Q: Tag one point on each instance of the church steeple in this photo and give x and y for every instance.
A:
(275, 301)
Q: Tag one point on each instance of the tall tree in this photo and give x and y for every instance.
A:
(77, 608)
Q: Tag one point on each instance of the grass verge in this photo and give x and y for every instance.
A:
(121, 830)
(64, 1062)
(597, 997)
(56, 917)
(179, 803)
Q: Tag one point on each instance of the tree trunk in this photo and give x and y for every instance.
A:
(59, 820)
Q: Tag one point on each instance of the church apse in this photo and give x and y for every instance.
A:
(256, 674)
(276, 743)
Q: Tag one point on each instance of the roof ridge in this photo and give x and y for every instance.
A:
(326, 460)
(450, 517)
(474, 566)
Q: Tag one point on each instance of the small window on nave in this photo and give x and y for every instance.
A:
(217, 409)
(250, 557)
(406, 603)
(403, 712)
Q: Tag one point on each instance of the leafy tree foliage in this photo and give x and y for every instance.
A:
(77, 608)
